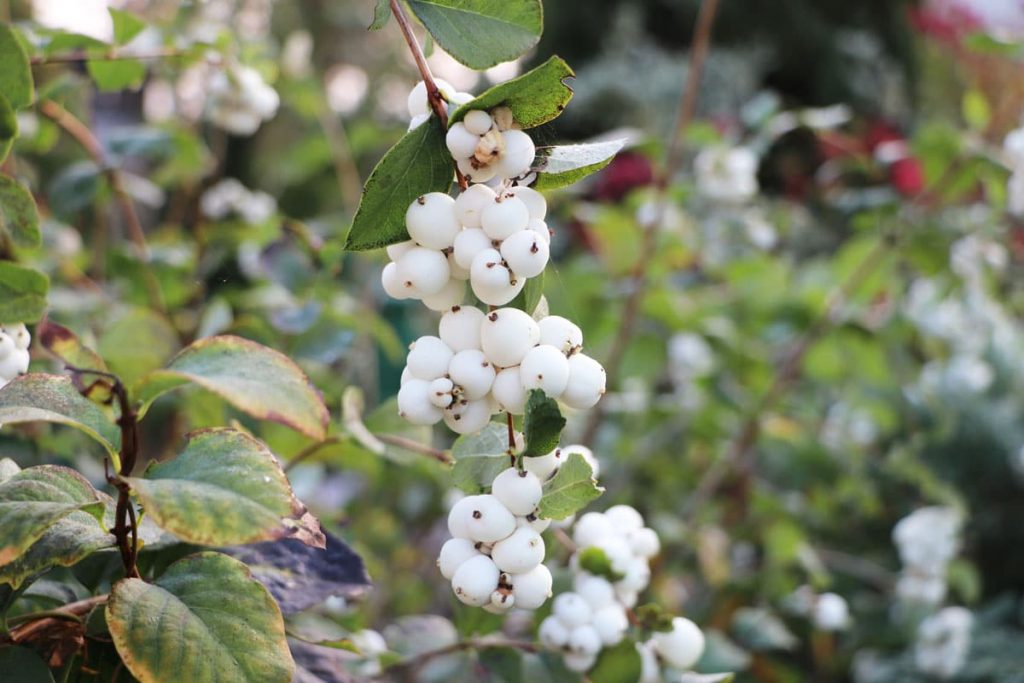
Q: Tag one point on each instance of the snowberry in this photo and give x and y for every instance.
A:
(611, 624)
(578, 662)
(474, 174)
(474, 580)
(477, 122)
(507, 335)
(393, 284)
(461, 143)
(469, 243)
(625, 518)
(627, 598)
(454, 552)
(471, 202)
(584, 640)
(456, 271)
(546, 368)
(460, 328)
(510, 395)
(424, 270)
(458, 99)
(417, 121)
(518, 156)
(492, 282)
(441, 392)
(459, 516)
(531, 588)
(431, 222)
(489, 521)
(586, 382)
(417, 102)
(541, 228)
(588, 455)
(571, 609)
(617, 550)
(552, 633)
(526, 253)
(591, 528)
(450, 295)
(831, 613)
(471, 370)
(414, 403)
(596, 590)
(644, 542)
(534, 201)
(650, 672)
(542, 466)
(395, 251)
(520, 552)
(504, 216)
(682, 646)
(637, 575)
(406, 376)
(560, 332)
(520, 492)
(428, 358)
(502, 600)
(20, 334)
(468, 417)
(369, 642)
(532, 521)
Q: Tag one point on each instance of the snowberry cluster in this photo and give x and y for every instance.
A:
(495, 241)
(419, 104)
(14, 356)
(488, 146)
(619, 533)
(240, 100)
(483, 363)
(927, 540)
(494, 558)
(944, 642)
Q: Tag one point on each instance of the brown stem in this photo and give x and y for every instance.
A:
(434, 96)
(74, 610)
(349, 183)
(88, 141)
(416, 447)
(649, 238)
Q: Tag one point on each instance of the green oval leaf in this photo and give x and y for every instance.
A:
(8, 127)
(35, 499)
(482, 33)
(38, 397)
(119, 74)
(418, 164)
(205, 620)
(542, 425)
(15, 74)
(619, 664)
(137, 343)
(225, 488)
(535, 98)
(65, 345)
(22, 665)
(255, 379)
(480, 457)
(19, 217)
(381, 15)
(567, 164)
(571, 489)
(22, 293)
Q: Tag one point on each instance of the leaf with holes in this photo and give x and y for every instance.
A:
(37, 397)
(255, 379)
(35, 499)
(542, 425)
(418, 164)
(535, 98)
(204, 620)
(567, 164)
(225, 488)
(482, 33)
(22, 293)
(571, 489)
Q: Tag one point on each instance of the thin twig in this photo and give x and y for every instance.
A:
(70, 611)
(88, 141)
(310, 450)
(417, 447)
(82, 56)
(434, 96)
(349, 183)
(649, 239)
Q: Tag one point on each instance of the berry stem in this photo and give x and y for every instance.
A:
(434, 97)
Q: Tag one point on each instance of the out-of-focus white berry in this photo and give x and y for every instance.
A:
(393, 284)
(552, 633)
(532, 588)
(526, 253)
(19, 334)
(509, 393)
(441, 393)
(650, 672)
(627, 598)
(682, 646)
(414, 403)
(504, 216)
(425, 270)
(520, 552)
(428, 358)
(489, 521)
(831, 613)
(450, 295)
(475, 580)
(468, 417)
(477, 122)
(562, 333)
(518, 156)
(541, 466)
(584, 640)
(471, 370)
(471, 202)
(591, 528)
(520, 492)
(571, 609)
(460, 98)
(454, 552)
(461, 143)
(507, 335)
(611, 624)
(596, 590)
(637, 575)
(431, 222)
(460, 328)
(578, 662)
(616, 549)
(586, 382)
(625, 518)
(546, 368)
(417, 121)
(645, 542)
(534, 201)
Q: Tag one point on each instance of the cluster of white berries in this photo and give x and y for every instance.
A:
(483, 363)
(494, 558)
(827, 611)
(240, 100)
(927, 540)
(488, 146)
(229, 196)
(628, 545)
(14, 356)
(494, 241)
(944, 642)
(371, 646)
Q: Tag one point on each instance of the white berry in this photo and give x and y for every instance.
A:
(414, 403)
(471, 370)
(531, 588)
(475, 580)
(460, 328)
(571, 609)
(682, 646)
(584, 640)
(441, 392)
(461, 143)
(519, 492)
(546, 368)
(469, 243)
(459, 516)
(552, 633)
(454, 552)
(540, 228)
(489, 521)
(625, 518)
(591, 528)
(586, 382)
(509, 393)
(395, 251)
(503, 217)
(542, 466)
(507, 335)
(424, 270)
(534, 201)
(578, 662)
(477, 122)
(471, 202)
(596, 590)
(393, 284)
(518, 156)
(611, 624)
(560, 332)
(468, 417)
(526, 253)
(428, 358)
(450, 295)
(520, 552)
(637, 575)
(491, 280)
(431, 221)
(644, 542)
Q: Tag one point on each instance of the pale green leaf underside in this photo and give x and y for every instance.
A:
(567, 164)
(482, 33)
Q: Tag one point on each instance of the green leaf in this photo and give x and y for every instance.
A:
(19, 217)
(65, 345)
(381, 15)
(255, 379)
(654, 617)
(38, 397)
(8, 127)
(571, 489)
(15, 72)
(528, 299)
(137, 343)
(535, 98)
(22, 293)
(480, 457)
(418, 164)
(504, 664)
(567, 164)
(33, 500)
(596, 562)
(204, 620)
(542, 425)
(112, 75)
(22, 665)
(482, 33)
(126, 25)
(225, 488)
(619, 664)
